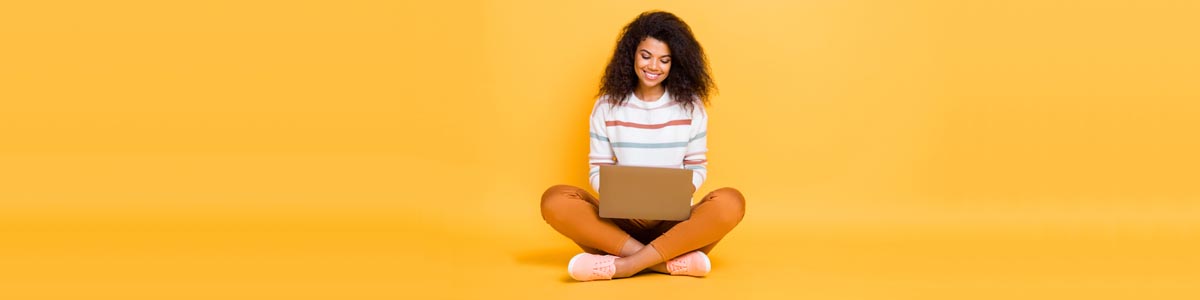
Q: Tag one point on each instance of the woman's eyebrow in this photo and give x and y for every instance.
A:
(648, 52)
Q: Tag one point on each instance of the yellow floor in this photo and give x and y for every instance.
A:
(763, 259)
(411, 244)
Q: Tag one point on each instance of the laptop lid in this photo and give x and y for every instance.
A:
(646, 193)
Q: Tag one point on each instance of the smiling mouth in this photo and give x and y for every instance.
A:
(651, 76)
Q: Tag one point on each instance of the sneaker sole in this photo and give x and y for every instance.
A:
(571, 265)
(707, 264)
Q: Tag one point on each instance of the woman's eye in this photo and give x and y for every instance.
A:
(666, 61)
(645, 57)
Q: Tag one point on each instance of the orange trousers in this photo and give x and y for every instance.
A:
(575, 213)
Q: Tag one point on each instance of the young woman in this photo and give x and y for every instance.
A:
(650, 112)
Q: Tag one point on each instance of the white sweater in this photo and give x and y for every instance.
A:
(658, 133)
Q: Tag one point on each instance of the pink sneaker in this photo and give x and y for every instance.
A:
(693, 263)
(588, 267)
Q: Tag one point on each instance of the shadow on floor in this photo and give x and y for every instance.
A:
(556, 257)
(550, 258)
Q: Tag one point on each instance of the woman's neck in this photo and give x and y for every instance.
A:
(649, 94)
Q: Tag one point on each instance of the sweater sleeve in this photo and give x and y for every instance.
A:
(601, 152)
(696, 157)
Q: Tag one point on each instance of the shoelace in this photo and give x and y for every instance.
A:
(603, 269)
(677, 265)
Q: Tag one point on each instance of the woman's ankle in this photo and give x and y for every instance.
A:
(625, 268)
(631, 246)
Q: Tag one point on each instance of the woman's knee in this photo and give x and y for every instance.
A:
(731, 204)
(555, 198)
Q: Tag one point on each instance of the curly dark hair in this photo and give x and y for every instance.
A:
(689, 80)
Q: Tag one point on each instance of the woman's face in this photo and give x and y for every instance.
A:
(652, 62)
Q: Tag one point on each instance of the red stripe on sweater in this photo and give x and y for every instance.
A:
(648, 126)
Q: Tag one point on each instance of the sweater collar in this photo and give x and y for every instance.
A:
(664, 100)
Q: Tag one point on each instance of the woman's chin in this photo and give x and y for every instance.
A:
(651, 84)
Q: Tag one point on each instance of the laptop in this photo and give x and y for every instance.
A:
(645, 193)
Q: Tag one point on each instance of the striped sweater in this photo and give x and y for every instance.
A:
(658, 133)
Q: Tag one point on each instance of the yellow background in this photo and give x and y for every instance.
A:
(383, 150)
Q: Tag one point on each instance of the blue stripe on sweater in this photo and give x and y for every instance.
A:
(598, 137)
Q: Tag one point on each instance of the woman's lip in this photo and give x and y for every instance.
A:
(651, 75)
